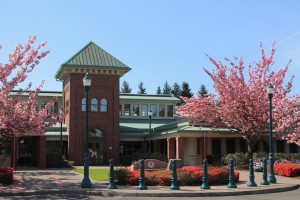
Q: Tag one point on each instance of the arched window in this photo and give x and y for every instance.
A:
(83, 104)
(94, 105)
(103, 105)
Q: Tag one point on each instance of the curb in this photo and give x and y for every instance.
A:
(146, 193)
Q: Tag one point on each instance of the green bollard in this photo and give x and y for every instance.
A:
(174, 185)
(231, 178)
(264, 174)
(111, 184)
(142, 185)
(205, 176)
(251, 182)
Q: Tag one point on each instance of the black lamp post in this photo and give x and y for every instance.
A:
(86, 182)
(271, 177)
(61, 110)
(150, 116)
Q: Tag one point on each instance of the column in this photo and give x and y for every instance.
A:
(180, 151)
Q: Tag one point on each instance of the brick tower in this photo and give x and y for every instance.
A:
(103, 97)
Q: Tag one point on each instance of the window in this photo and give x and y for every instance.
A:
(198, 146)
(170, 110)
(153, 108)
(43, 104)
(230, 145)
(243, 145)
(136, 110)
(127, 109)
(161, 110)
(83, 104)
(293, 148)
(94, 105)
(280, 146)
(103, 105)
(144, 110)
(216, 146)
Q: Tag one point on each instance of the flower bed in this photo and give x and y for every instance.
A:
(185, 176)
(287, 169)
(6, 175)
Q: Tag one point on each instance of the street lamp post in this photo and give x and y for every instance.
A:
(271, 177)
(86, 182)
(61, 110)
(150, 116)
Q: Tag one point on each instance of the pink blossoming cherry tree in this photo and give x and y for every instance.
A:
(20, 116)
(241, 100)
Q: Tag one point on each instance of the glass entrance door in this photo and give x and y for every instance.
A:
(26, 152)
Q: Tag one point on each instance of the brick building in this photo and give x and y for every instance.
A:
(119, 124)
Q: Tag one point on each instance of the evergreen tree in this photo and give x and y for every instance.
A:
(158, 91)
(176, 91)
(186, 90)
(203, 91)
(125, 87)
(167, 88)
(142, 90)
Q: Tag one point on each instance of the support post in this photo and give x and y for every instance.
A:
(231, 178)
(174, 185)
(251, 182)
(111, 184)
(142, 185)
(264, 174)
(205, 176)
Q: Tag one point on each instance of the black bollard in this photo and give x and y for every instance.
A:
(264, 174)
(251, 182)
(174, 185)
(111, 184)
(142, 185)
(205, 176)
(231, 178)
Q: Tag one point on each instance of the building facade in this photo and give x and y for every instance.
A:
(119, 125)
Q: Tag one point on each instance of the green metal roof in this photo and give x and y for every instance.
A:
(139, 125)
(147, 97)
(133, 134)
(41, 94)
(56, 133)
(92, 56)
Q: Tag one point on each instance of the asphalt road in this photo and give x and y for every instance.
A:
(291, 195)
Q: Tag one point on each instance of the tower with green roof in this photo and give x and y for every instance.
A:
(105, 72)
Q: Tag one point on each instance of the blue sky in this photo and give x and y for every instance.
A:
(159, 39)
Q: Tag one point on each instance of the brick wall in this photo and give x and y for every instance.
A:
(171, 148)
(103, 86)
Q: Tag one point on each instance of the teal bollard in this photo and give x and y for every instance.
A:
(264, 174)
(174, 185)
(205, 176)
(251, 182)
(231, 178)
(111, 184)
(142, 185)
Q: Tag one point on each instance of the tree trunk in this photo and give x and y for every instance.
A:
(250, 148)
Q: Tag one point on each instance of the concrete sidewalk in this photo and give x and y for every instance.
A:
(66, 181)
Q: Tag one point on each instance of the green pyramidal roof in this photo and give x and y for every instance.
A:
(92, 59)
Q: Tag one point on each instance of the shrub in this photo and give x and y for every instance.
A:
(6, 175)
(196, 171)
(241, 160)
(185, 176)
(164, 179)
(122, 176)
(287, 169)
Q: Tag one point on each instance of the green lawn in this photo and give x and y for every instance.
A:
(96, 174)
